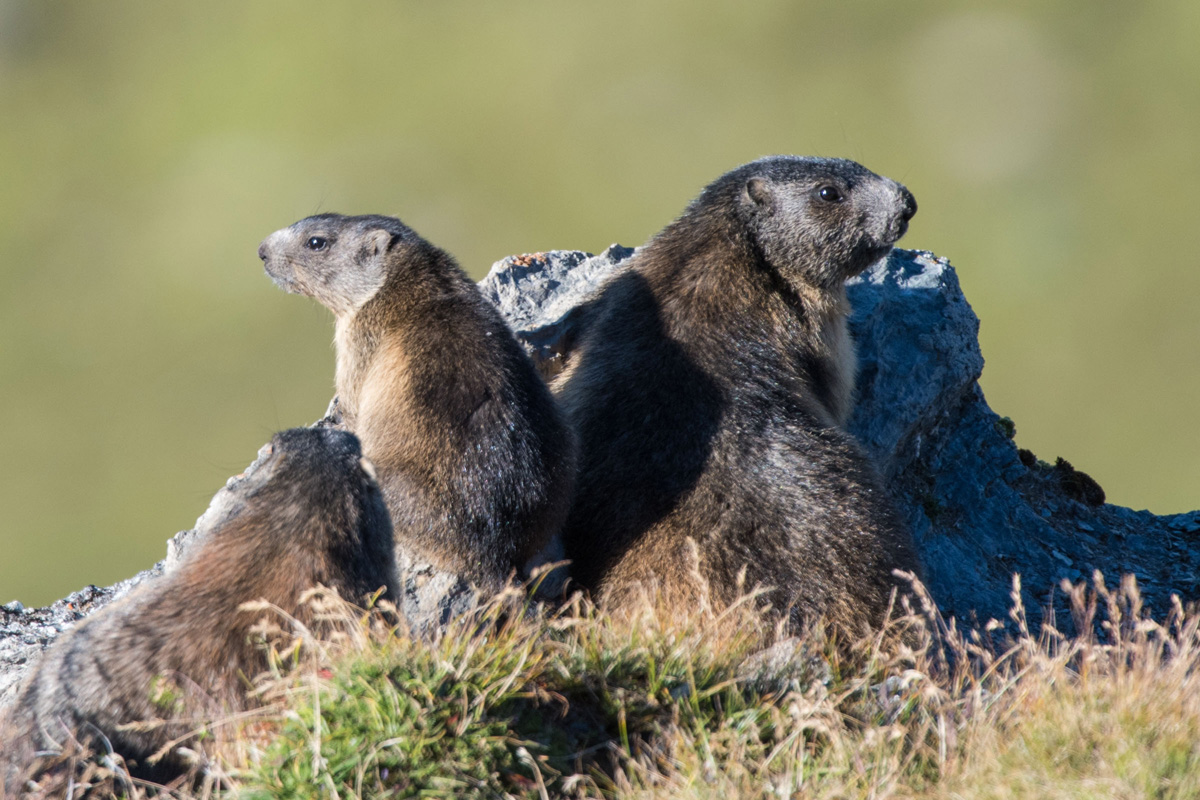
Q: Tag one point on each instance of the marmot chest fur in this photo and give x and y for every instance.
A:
(708, 390)
(474, 457)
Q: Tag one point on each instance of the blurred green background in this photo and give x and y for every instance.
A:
(146, 148)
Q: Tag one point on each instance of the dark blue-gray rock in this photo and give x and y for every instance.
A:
(980, 510)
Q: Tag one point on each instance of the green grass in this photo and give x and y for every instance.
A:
(148, 147)
(503, 703)
(517, 702)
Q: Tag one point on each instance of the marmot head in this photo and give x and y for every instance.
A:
(340, 261)
(819, 220)
(313, 487)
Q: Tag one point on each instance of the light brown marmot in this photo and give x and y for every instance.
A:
(177, 652)
(708, 390)
(474, 457)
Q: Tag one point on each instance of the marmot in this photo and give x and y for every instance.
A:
(474, 457)
(147, 671)
(708, 388)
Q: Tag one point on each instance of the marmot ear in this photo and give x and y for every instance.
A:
(759, 191)
(381, 242)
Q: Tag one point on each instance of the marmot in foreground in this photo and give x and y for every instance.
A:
(177, 652)
(474, 458)
(708, 389)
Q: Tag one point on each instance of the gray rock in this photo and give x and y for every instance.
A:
(431, 596)
(26, 632)
(979, 512)
(540, 295)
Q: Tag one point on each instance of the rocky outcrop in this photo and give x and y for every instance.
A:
(979, 508)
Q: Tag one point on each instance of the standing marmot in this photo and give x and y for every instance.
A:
(474, 458)
(154, 666)
(707, 391)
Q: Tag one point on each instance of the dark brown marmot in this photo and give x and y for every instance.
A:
(149, 670)
(474, 458)
(708, 389)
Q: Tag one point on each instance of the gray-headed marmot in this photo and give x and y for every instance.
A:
(708, 389)
(474, 458)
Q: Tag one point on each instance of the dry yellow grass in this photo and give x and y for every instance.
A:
(522, 702)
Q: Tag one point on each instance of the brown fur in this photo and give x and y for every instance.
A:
(708, 390)
(474, 458)
(311, 514)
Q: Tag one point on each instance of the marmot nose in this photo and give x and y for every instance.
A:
(910, 204)
(262, 251)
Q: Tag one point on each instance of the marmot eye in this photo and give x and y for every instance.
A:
(829, 194)
(317, 243)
